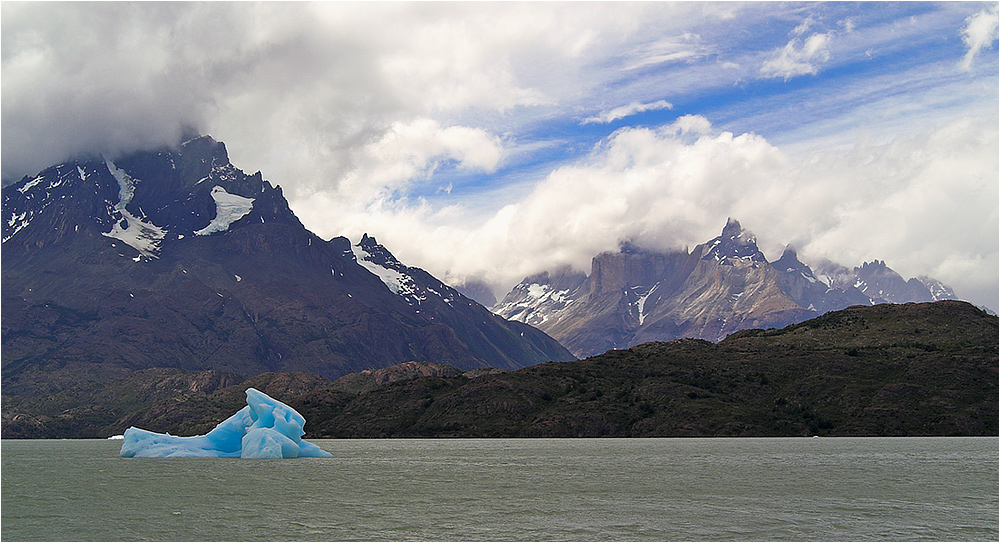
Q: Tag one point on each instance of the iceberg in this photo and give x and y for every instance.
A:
(265, 428)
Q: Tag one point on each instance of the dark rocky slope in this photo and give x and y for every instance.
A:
(886, 370)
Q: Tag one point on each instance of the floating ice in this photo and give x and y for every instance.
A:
(265, 428)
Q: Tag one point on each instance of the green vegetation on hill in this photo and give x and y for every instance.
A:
(892, 370)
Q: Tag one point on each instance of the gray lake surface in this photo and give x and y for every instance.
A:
(795, 489)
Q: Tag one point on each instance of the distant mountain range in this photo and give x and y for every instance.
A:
(177, 259)
(723, 285)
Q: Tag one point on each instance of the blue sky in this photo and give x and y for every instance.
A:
(492, 141)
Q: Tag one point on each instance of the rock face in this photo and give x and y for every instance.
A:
(177, 259)
(721, 286)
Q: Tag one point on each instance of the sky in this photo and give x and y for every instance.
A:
(491, 141)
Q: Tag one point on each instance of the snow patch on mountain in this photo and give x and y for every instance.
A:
(533, 302)
(229, 208)
(28, 186)
(399, 283)
(938, 290)
(17, 221)
(220, 172)
(641, 304)
(542, 293)
(142, 236)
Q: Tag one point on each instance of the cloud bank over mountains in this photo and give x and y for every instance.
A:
(495, 140)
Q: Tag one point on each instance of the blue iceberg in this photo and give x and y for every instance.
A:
(265, 428)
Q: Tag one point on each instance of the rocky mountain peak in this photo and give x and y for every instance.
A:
(377, 253)
(879, 281)
(207, 149)
(875, 266)
(613, 272)
(789, 261)
(735, 243)
(938, 290)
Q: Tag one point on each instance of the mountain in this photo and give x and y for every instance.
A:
(883, 370)
(723, 285)
(175, 258)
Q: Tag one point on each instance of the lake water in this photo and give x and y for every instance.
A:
(512, 489)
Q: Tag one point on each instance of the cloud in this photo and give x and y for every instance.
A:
(803, 27)
(138, 91)
(120, 76)
(926, 204)
(321, 78)
(412, 151)
(625, 111)
(799, 58)
(980, 31)
(685, 47)
(663, 187)
(365, 113)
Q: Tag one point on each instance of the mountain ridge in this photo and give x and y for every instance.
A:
(723, 285)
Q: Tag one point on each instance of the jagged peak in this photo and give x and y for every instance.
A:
(734, 242)
(377, 253)
(732, 225)
(875, 268)
(206, 146)
(874, 264)
(789, 258)
(734, 231)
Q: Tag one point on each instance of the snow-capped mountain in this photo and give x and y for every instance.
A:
(541, 296)
(721, 286)
(176, 258)
(880, 283)
(937, 289)
(734, 244)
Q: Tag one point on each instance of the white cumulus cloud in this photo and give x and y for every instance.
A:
(798, 57)
(412, 151)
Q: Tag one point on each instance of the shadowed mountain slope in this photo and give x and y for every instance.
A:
(177, 259)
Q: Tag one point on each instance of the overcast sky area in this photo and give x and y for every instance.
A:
(499, 140)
